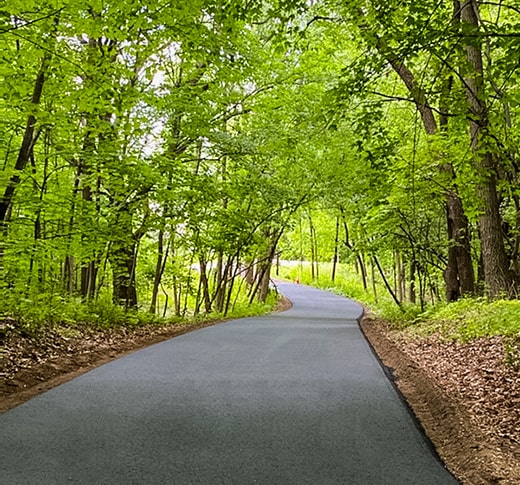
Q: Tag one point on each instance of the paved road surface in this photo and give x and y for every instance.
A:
(292, 398)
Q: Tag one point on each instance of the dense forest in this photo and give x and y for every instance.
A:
(164, 154)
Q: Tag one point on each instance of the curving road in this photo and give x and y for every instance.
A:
(291, 398)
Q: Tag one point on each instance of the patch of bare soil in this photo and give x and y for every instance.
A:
(466, 397)
(32, 365)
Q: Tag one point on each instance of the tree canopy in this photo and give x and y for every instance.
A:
(181, 147)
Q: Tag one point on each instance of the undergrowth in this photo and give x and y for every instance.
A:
(37, 314)
(471, 318)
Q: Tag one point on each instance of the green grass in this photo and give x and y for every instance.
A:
(471, 318)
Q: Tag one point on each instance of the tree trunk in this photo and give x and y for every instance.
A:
(123, 261)
(264, 271)
(373, 274)
(220, 283)
(89, 268)
(459, 274)
(313, 247)
(159, 270)
(497, 275)
(26, 148)
(205, 284)
(411, 294)
(385, 281)
(89, 273)
(24, 154)
(401, 277)
(335, 257)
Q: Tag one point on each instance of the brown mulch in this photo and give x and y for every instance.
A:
(466, 397)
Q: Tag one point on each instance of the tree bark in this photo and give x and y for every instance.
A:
(159, 270)
(205, 284)
(387, 284)
(24, 154)
(123, 259)
(498, 277)
(336, 249)
(459, 275)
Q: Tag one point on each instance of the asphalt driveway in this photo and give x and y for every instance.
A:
(290, 398)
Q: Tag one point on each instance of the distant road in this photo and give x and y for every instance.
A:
(290, 398)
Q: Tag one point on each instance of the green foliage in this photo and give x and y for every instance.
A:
(172, 136)
(35, 316)
(471, 318)
(348, 283)
(35, 313)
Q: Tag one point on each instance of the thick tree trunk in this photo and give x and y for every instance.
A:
(122, 260)
(264, 283)
(89, 273)
(94, 124)
(69, 274)
(261, 288)
(459, 275)
(249, 274)
(498, 277)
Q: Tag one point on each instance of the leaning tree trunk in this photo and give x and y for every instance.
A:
(29, 138)
(24, 155)
(458, 275)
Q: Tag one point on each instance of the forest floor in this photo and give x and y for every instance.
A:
(464, 395)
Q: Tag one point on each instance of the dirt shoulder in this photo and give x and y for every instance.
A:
(32, 365)
(464, 396)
